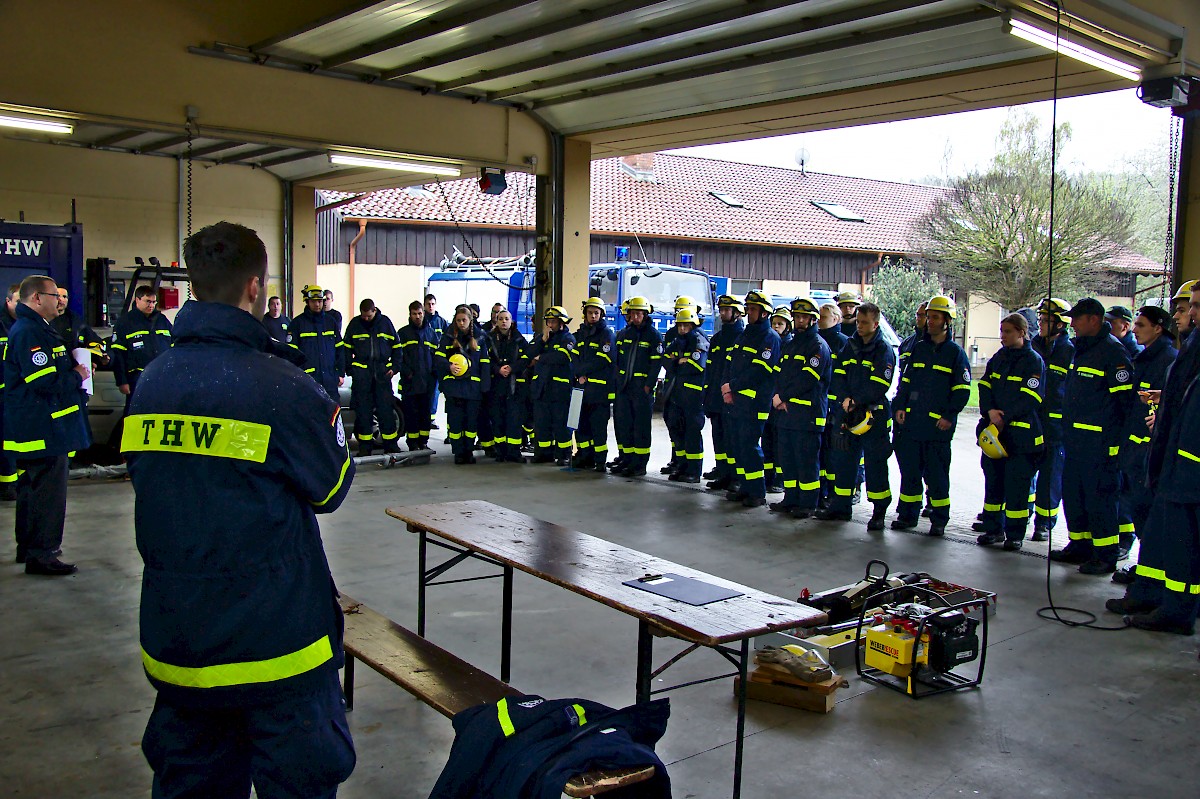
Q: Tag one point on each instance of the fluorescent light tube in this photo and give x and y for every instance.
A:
(35, 123)
(1030, 33)
(345, 159)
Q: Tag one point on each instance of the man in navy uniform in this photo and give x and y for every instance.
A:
(44, 420)
(232, 452)
(731, 311)
(140, 335)
(748, 388)
(317, 334)
(372, 354)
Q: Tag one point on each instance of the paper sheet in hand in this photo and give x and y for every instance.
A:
(84, 358)
(685, 589)
(576, 409)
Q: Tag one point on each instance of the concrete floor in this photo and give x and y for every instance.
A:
(1062, 712)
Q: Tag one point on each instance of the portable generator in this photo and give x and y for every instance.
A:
(915, 648)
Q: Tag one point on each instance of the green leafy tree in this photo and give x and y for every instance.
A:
(990, 233)
(899, 288)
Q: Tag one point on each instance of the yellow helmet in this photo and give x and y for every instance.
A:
(944, 304)
(593, 302)
(759, 299)
(459, 360)
(989, 442)
(803, 305)
(686, 315)
(847, 296)
(312, 293)
(684, 301)
(556, 312)
(1185, 290)
(859, 421)
(639, 304)
(782, 313)
(1055, 307)
(730, 301)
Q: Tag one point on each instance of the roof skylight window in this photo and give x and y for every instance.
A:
(420, 192)
(728, 199)
(839, 211)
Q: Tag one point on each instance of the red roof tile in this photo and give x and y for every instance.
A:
(679, 202)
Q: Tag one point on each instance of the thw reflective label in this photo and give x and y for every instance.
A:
(196, 435)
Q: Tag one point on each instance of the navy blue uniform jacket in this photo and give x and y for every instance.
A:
(685, 381)
(471, 384)
(527, 747)
(44, 415)
(1099, 396)
(136, 341)
(1015, 382)
(639, 357)
(936, 385)
(751, 370)
(232, 453)
(595, 354)
(863, 372)
(802, 382)
(317, 335)
(1057, 354)
(715, 373)
(415, 361)
(551, 379)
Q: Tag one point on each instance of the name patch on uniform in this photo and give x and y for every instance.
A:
(196, 435)
(40, 359)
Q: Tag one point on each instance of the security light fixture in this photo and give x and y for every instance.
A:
(379, 162)
(1059, 44)
(40, 124)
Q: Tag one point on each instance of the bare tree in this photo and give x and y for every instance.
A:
(990, 234)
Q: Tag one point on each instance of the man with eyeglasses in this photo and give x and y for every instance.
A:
(43, 421)
(76, 332)
(140, 336)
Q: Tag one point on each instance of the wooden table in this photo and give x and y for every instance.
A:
(597, 569)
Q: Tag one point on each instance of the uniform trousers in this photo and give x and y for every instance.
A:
(296, 749)
(1048, 492)
(1014, 475)
(506, 412)
(799, 456)
(772, 471)
(416, 418)
(550, 431)
(371, 397)
(41, 506)
(1168, 570)
(717, 422)
(688, 424)
(923, 464)
(591, 437)
(1091, 481)
(633, 412)
(748, 454)
(461, 417)
(872, 452)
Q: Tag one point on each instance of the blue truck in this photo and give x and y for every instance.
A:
(511, 282)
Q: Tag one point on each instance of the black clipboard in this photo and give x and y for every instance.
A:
(685, 589)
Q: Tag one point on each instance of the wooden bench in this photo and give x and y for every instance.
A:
(443, 681)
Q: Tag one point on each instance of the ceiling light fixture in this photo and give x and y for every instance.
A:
(1047, 39)
(376, 162)
(35, 123)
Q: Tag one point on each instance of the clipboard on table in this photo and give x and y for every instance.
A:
(685, 589)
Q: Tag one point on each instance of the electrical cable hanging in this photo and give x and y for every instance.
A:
(1174, 135)
(191, 136)
(470, 249)
(1051, 612)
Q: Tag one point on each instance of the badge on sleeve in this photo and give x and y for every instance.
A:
(659, 349)
(606, 348)
(814, 360)
(887, 373)
(966, 375)
(766, 355)
(695, 356)
(338, 428)
(1122, 375)
(40, 359)
(1033, 382)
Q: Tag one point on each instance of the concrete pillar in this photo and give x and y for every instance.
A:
(577, 226)
(1187, 236)
(304, 246)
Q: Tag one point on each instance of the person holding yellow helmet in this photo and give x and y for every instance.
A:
(933, 391)
(781, 323)
(551, 354)
(731, 312)
(682, 302)
(684, 360)
(316, 333)
(800, 405)
(1011, 392)
(861, 381)
(1053, 344)
(465, 374)
(639, 358)
(747, 390)
(595, 371)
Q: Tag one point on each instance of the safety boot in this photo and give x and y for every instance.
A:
(365, 448)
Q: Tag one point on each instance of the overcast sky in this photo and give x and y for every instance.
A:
(1106, 129)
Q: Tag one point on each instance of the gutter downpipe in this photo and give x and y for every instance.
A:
(362, 229)
(862, 276)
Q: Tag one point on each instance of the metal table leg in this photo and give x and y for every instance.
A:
(743, 676)
(506, 626)
(421, 585)
(645, 662)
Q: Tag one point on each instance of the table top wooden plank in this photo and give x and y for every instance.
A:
(597, 568)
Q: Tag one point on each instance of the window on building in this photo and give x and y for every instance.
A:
(728, 199)
(839, 211)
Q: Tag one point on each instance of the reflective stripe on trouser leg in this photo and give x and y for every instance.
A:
(673, 415)
(1125, 526)
(1017, 472)
(935, 461)
(623, 423)
(545, 427)
(416, 416)
(877, 449)
(719, 436)
(799, 452)
(1048, 489)
(993, 493)
(693, 442)
(362, 400)
(770, 450)
(748, 433)
(459, 414)
(731, 446)
(385, 410)
(1181, 561)
(642, 406)
(909, 458)
(845, 472)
